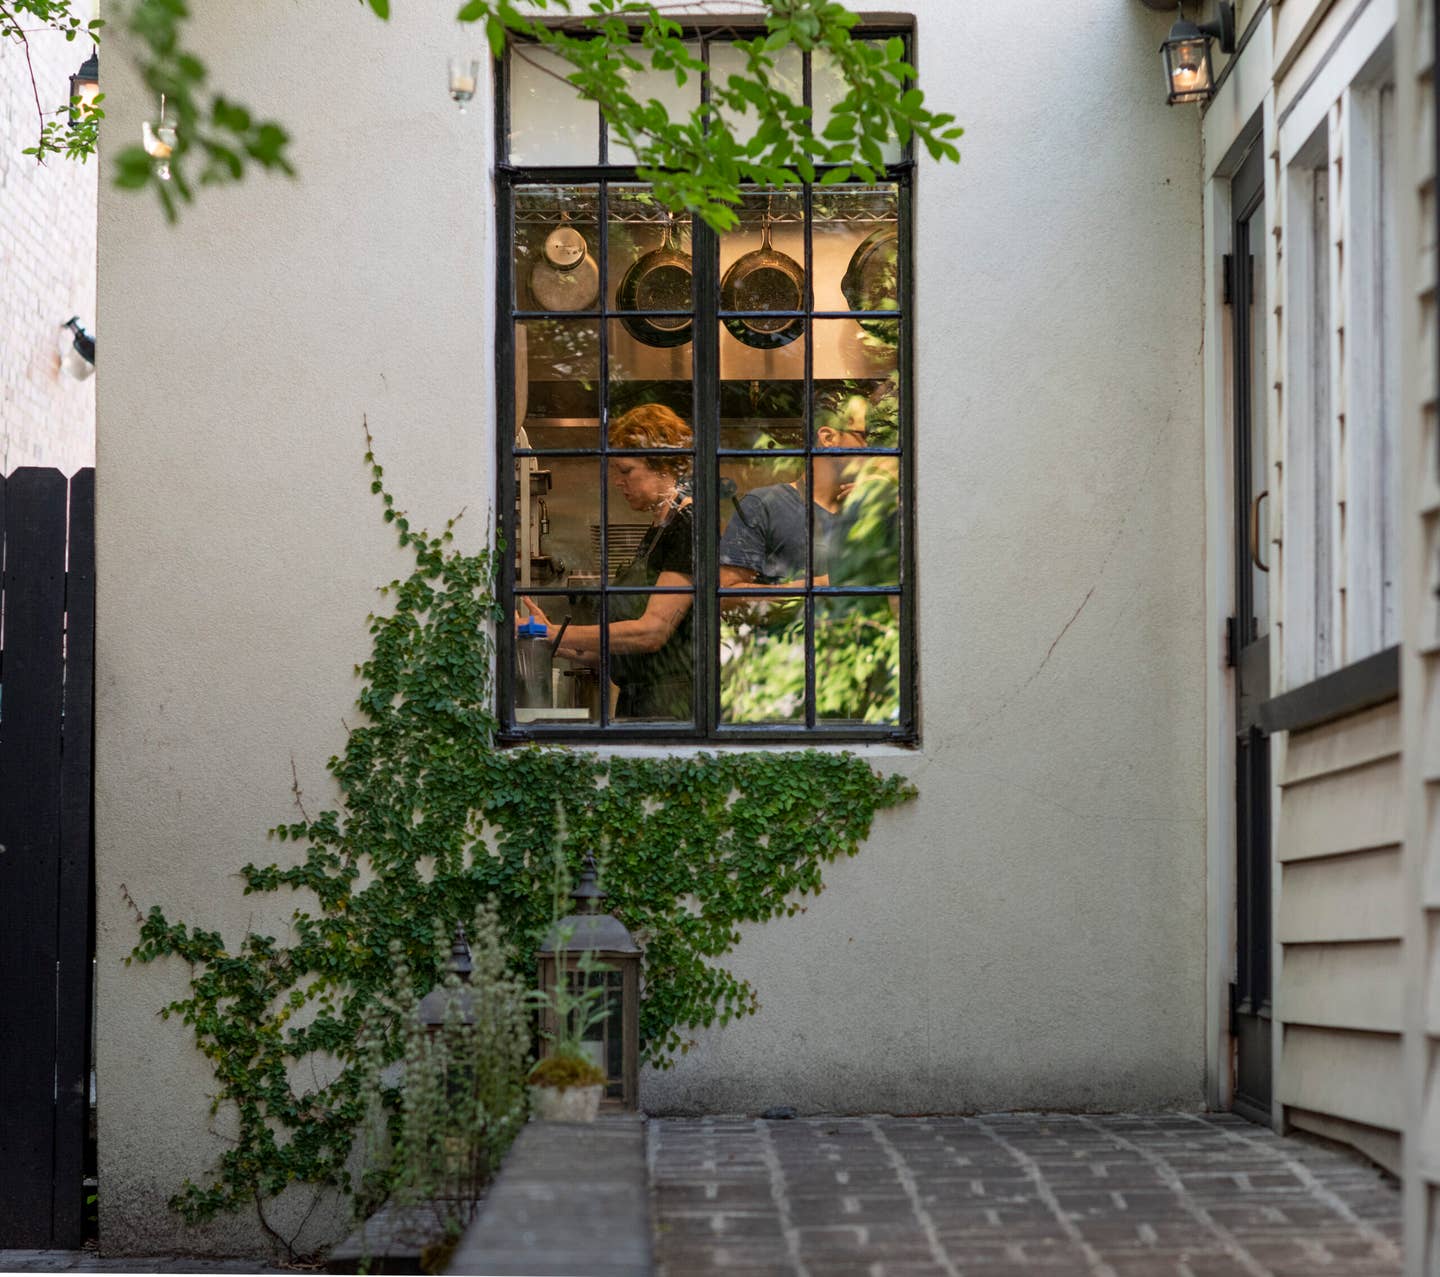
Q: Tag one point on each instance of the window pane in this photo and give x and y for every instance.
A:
(856, 250)
(652, 642)
(761, 512)
(557, 383)
(650, 266)
(727, 61)
(857, 659)
(849, 360)
(642, 373)
(761, 413)
(550, 688)
(557, 243)
(747, 359)
(678, 100)
(557, 521)
(762, 268)
(549, 123)
(828, 87)
(762, 660)
(862, 537)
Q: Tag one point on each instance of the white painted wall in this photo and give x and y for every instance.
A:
(47, 263)
(1031, 931)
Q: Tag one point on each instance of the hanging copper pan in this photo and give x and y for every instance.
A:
(568, 278)
(659, 280)
(871, 281)
(764, 280)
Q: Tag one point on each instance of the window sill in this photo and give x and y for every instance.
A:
(1368, 682)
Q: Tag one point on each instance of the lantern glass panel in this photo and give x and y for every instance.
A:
(604, 1041)
(1187, 70)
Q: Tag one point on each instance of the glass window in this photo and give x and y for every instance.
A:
(706, 490)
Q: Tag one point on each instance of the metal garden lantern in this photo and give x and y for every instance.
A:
(613, 1043)
(434, 1004)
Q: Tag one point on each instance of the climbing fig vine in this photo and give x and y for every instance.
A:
(435, 819)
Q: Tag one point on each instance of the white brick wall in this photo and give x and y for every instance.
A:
(47, 269)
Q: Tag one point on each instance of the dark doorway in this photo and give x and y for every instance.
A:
(1250, 1016)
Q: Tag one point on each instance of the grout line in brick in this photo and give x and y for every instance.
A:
(1384, 1246)
(912, 1191)
(1171, 1179)
(1098, 1267)
(777, 1195)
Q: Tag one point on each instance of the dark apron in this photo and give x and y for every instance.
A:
(652, 684)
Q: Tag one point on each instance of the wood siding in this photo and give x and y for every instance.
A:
(1420, 668)
(1340, 924)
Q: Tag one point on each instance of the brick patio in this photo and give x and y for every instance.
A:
(1194, 1196)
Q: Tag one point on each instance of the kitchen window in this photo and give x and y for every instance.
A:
(706, 470)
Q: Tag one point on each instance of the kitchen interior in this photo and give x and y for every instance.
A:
(762, 365)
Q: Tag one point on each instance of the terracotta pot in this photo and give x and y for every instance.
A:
(565, 1104)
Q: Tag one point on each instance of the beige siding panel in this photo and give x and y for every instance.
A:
(1342, 986)
(1350, 811)
(1361, 738)
(1356, 1076)
(1357, 897)
(1379, 1146)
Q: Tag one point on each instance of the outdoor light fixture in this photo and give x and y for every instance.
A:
(1189, 76)
(85, 83)
(77, 349)
(613, 1044)
(433, 1005)
(159, 142)
(464, 76)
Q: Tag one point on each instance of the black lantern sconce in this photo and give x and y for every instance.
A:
(85, 83)
(613, 1043)
(76, 348)
(1189, 74)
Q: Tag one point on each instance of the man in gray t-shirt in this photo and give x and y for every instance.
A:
(764, 541)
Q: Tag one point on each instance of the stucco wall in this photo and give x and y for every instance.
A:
(47, 265)
(1030, 932)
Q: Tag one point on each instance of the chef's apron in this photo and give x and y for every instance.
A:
(652, 684)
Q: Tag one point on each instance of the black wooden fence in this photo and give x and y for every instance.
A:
(47, 667)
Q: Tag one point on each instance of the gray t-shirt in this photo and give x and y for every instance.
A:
(766, 534)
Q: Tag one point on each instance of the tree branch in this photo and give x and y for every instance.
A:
(20, 35)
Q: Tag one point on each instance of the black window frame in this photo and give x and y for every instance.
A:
(708, 452)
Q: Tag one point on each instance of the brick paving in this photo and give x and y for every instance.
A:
(1006, 1195)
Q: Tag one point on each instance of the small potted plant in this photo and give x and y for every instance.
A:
(566, 1085)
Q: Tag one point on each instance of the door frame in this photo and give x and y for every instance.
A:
(1239, 116)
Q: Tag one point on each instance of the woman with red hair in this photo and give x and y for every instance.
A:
(650, 635)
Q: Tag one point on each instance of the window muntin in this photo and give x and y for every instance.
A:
(792, 380)
(1341, 300)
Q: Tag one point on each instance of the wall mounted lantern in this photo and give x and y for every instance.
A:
(159, 142)
(464, 76)
(85, 83)
(613, 1044)
(1189, 75)
(77, 349)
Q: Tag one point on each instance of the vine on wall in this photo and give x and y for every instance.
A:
(435, 819)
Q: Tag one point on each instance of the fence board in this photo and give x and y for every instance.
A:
(75, 892)
(30, 708)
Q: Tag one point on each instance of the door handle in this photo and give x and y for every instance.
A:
(1255, 531)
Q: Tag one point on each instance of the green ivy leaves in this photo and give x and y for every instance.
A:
(436, 821)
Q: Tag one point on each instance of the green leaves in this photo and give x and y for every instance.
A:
(695, 160)
(436, 820)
